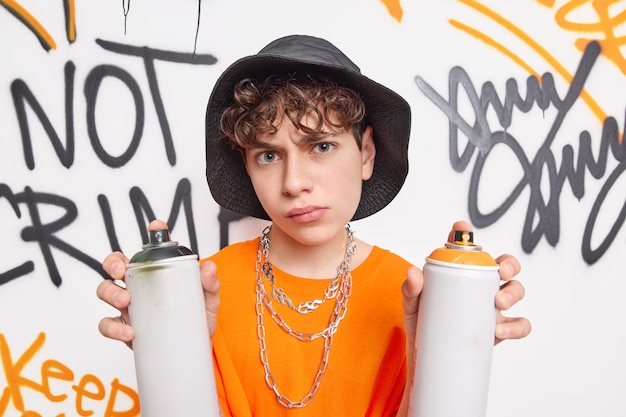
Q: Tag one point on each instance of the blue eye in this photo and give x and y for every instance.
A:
(266, 157)
(324, 147)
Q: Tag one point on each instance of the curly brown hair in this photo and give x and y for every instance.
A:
(258, 105)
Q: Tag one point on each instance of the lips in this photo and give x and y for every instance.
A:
(306, 214)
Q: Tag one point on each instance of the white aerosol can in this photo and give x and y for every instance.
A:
(172, 349)
(455, 331)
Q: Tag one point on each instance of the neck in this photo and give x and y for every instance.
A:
(310, 259)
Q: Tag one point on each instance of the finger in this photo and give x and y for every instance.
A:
(116, 328)
(157, 225)
(112, 294)
(411, 289)
(115, 265)
(509, 266)
(211, 286)
(510, 293)
(512, 328)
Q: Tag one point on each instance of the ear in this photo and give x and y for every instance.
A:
(368, 153)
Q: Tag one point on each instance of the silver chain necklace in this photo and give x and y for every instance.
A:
(305, 307)
(341, 294)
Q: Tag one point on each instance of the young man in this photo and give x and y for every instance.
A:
(312, 321)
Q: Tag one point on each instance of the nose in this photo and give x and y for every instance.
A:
(297, 176)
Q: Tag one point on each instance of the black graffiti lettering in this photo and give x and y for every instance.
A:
(547, 221)
(109, 225)
(149, 55)
(225, 218)
(570, 172)
(542, 212)
(592, 255)
(27, 103)
(610, 140)
(21, 95)
(26, 267)
(20, 270)
(44, 234)
(23, 98)
(478, 218)
(92, 86)
(144, 213)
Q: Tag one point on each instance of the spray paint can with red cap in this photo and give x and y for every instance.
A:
(172, 348)
(455, 331)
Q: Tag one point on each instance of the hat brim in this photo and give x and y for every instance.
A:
(387, 112)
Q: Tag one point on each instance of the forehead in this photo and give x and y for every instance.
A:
(309, 129)
(313, 121)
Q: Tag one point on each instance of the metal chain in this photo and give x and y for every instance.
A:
(339, 312)
(305, 307)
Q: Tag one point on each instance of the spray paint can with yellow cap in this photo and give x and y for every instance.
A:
(172, 349)
(455, 331)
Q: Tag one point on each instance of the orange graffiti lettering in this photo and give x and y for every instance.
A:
(123, 389)
(55, 369)
(605, 26)
(81, 391)
(12, 371)
(394, 8)
(528, 40)
(4, 400)
(45, 39)
(120, 401)
(70, 20)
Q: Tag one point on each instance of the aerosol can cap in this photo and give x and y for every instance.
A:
(159, 247)
(462, 250)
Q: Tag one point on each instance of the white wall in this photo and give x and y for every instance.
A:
(573, 362)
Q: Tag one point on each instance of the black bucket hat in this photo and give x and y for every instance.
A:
(387, 112)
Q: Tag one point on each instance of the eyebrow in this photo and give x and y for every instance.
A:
(308, 139)
(316, 137)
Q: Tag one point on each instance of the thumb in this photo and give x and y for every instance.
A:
(411, 289)
(211, 286)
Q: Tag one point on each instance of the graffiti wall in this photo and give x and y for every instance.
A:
(518, 117)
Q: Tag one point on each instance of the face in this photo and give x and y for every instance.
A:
(310, 185)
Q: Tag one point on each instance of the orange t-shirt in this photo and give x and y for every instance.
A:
(366, 370)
